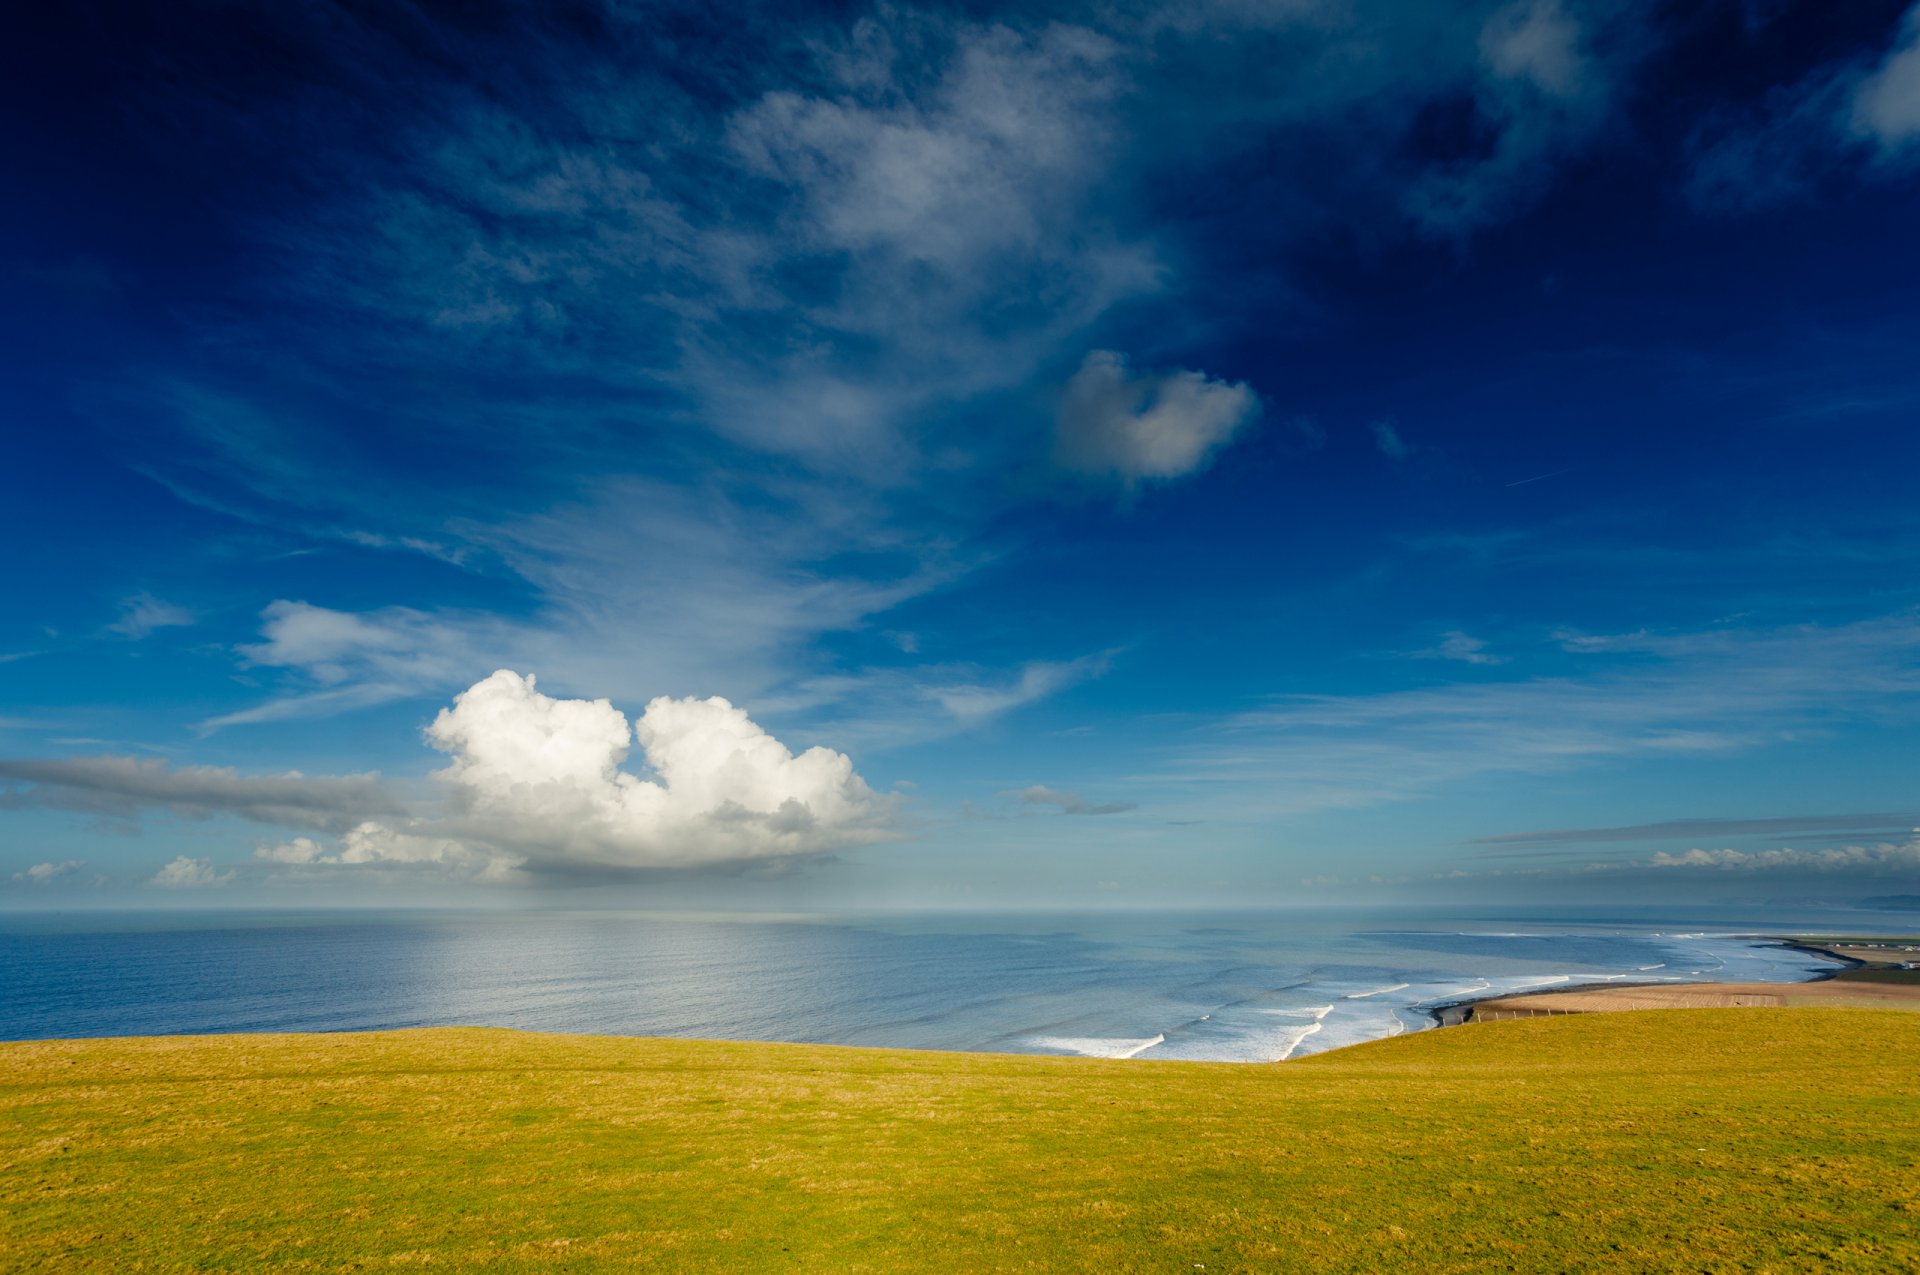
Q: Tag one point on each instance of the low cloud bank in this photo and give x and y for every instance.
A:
(123, 786)
(534, 787)
(1068, 803)
(1891, 857)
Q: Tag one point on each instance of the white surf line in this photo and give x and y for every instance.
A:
(1294, 1048)
(1099, 1046)
(1378, 991)
(1159, 1039)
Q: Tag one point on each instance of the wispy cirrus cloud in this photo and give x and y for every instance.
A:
(821, 301)
(1462, 648)
(906, 212)
(1067, 803)
(1886, 101)
(970, 702)
(1647, 695)
(1678, 829)
(143, 613)
(727, 593)
(915, 703)
(1856, 117)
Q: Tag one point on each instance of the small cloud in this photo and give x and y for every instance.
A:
(299, 850)
(1537, 42)
(1134, 426)
(909, 643)
(42, 873)
(1463, 648)
(972, 704)
(190, 874)
(1391, 445)
(1886, 104)
(1068, 803)
(142, 613)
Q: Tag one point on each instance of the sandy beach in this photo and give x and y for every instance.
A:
(1588, 1000)
(1856, 984)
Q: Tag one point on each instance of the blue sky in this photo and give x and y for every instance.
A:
(1193, 453)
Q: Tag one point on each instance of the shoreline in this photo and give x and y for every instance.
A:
(1615, 995)
(1456, 1013)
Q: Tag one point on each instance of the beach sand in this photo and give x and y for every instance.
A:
(1589, 1000)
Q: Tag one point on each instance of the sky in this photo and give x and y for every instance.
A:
(1083, 455)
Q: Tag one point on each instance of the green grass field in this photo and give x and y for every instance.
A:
(1709, 1140)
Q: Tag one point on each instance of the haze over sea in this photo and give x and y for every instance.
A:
(1248, 987)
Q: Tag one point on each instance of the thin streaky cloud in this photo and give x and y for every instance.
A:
(1676, 829)
(1537, 478)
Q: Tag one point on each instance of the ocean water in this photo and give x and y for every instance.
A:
(1250, 988)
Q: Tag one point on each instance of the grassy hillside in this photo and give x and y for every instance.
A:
(1711, 1140)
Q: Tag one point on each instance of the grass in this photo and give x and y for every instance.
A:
(1708, 1140)
(1872, 975)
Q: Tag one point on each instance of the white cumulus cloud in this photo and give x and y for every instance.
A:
(1115, 422)
(373, 844)
(41, 873)
(538, 782)
(183, 873)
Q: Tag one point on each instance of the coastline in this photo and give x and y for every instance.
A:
(1604, 995)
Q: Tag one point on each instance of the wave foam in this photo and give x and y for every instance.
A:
(1294, 1044)
(1378, 991)
(1098, 1046)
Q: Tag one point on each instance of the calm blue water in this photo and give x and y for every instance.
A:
(1242, 988)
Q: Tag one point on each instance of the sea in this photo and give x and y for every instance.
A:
(1235, 987)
